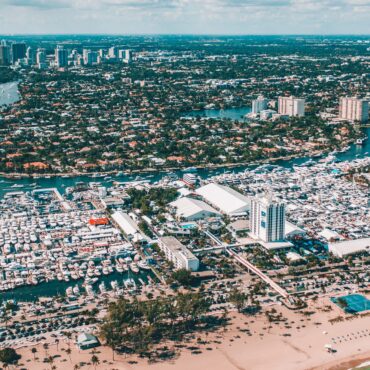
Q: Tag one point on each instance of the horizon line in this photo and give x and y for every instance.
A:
(182, 34)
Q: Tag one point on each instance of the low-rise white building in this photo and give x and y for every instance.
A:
(193, 209)
(347, 247)
(178, 254)
(128, 226)
(225, 199)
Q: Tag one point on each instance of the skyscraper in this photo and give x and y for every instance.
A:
(291, 106)
(267, 220)
(30, 56)
(354, 109)
(4, 55)
(113, 52)
(128, 55)
(18, 51)
(259, 104)
(90, 57)
(41, 58)
(61, 57)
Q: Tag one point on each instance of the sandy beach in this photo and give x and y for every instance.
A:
(296, 344)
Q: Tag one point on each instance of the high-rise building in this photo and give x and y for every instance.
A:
(291, 106)
(41, 58)
(30, 56)
(61, 57)
(259, 104)
(18, 51)
(128, 55)
(354, 109)
(113, 52)
(101, 53)
(90, 57)
(267, 219)
(4, 55)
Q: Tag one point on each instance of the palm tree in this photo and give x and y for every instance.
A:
(50, 360)
(95, 361)
(68, 335)
(57, 343)
(34, 351)
(46, 347)
(68, 352)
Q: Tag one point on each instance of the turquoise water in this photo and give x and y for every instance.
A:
(189, 226)
(355, 303)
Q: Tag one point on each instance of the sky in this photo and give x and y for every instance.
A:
(185, 17)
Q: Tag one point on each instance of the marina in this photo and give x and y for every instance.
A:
(53, 245)
(58, 288)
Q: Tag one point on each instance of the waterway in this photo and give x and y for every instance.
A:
(9, 93)
(61, 183)
(231, 113)
(58, 288)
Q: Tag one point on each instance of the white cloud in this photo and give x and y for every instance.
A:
(174, 16)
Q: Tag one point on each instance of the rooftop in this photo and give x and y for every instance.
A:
(224, 198)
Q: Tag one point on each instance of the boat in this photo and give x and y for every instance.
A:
(102, 287)
(134, 268)
(89, 290)
(359, 141)
(76, 290)
(91, 281)
(191, 169)
(119, 268)
(129, 283)
(143, 265)
(69, 291)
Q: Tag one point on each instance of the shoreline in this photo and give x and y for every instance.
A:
(351, 362)
(150, 170)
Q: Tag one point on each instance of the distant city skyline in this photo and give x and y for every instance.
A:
(185, 17)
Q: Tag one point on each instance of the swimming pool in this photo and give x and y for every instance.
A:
(352, 303)
(190, 225)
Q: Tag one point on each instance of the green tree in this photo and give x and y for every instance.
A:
(238, 298)
(183, 277)
(95, 361)
(9, 356)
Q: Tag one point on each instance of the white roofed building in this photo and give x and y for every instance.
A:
(347, 247)
(225, 199)
(128, 226)
(193, 209)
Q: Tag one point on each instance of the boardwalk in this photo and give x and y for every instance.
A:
(248, 265)
(258, 272)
